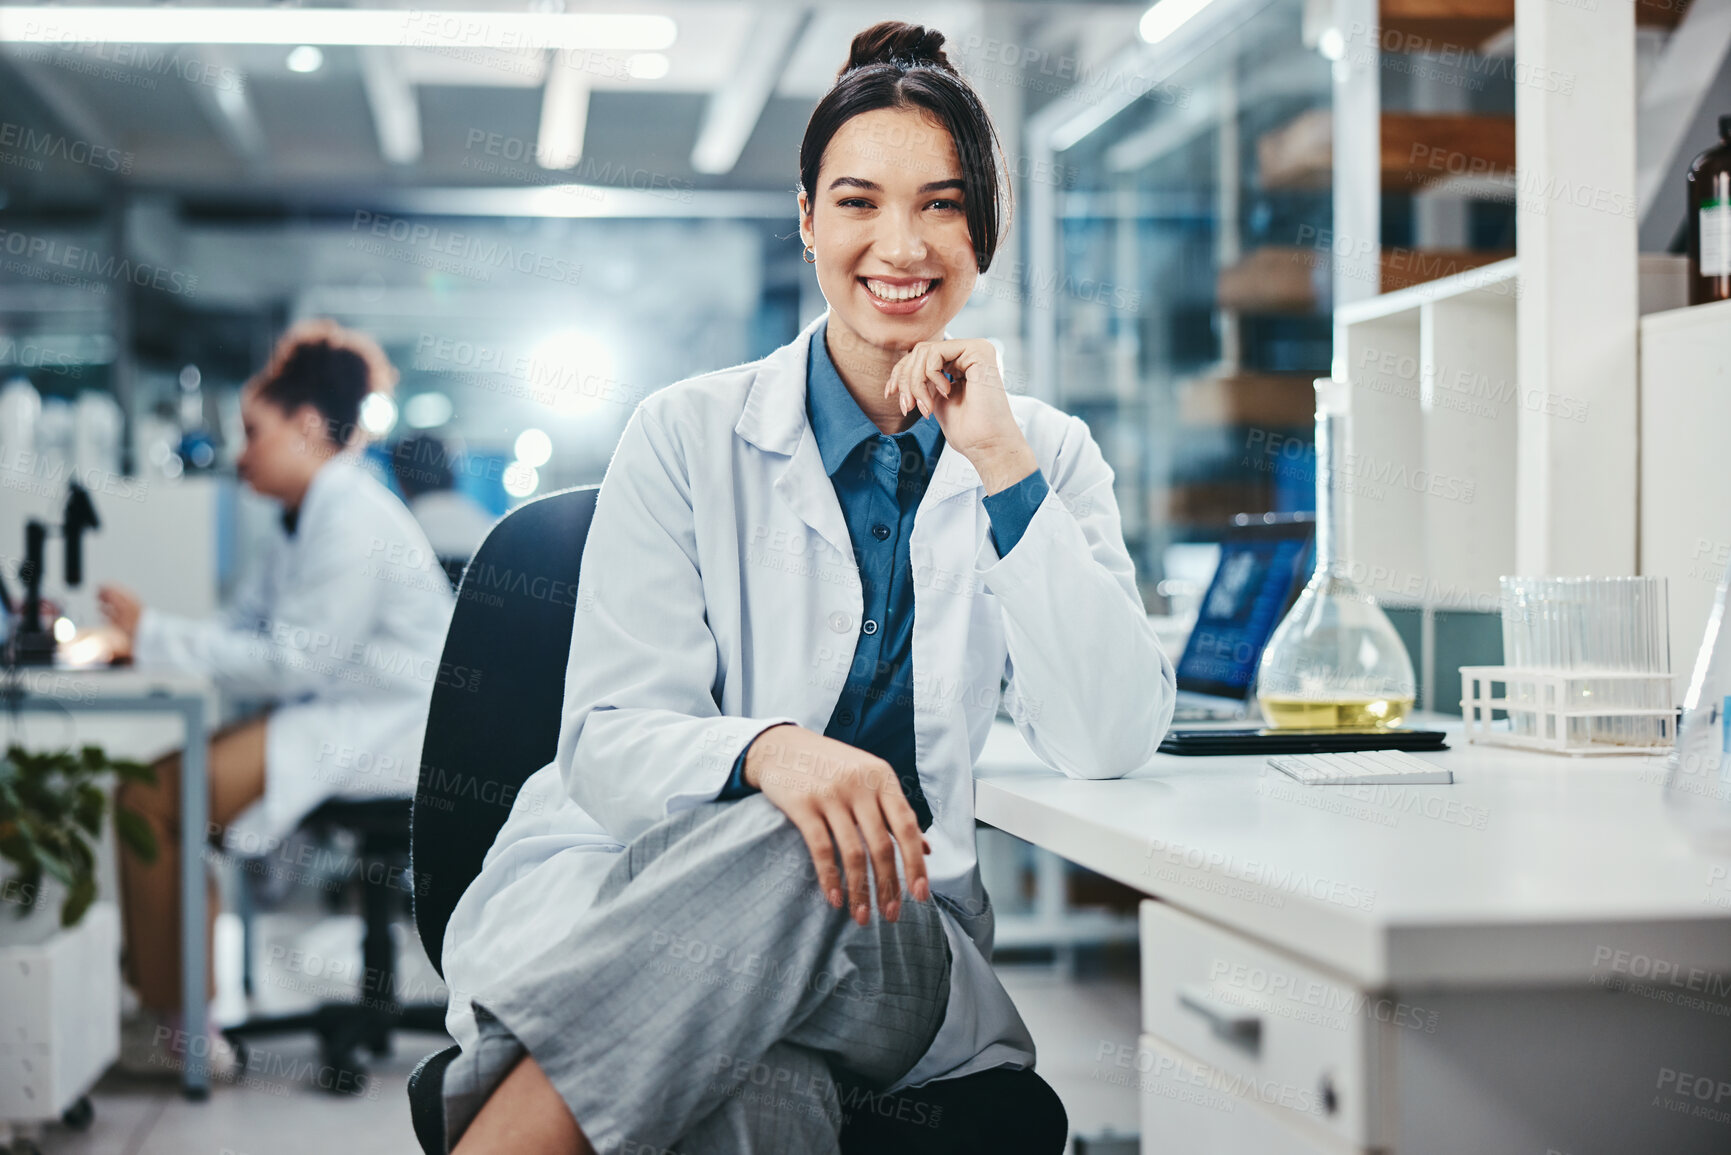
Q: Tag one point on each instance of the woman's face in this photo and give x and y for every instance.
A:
(887, 223)
(278, 458)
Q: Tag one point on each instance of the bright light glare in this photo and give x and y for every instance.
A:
(427, 410)
(1331, 44)
(378, 414)
(521, 480)
(64, 630)
(1167, 17)
(648, 66)
(534, 448)
(306, 58)
(592, 31)
(577, 369)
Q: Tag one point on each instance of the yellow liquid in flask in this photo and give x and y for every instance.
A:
(1339, 714)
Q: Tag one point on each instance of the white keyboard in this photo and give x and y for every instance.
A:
(1362, 768)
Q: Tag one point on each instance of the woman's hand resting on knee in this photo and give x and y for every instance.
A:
(843, 799)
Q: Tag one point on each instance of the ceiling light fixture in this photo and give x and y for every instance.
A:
(1167, 17)
(357, 27)
(306, 58)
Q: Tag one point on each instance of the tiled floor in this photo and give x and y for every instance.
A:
(1076, 1021)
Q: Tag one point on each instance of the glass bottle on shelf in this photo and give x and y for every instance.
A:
(1709, 181)
(1335, 661)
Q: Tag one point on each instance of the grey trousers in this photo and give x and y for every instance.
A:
(697, 1006)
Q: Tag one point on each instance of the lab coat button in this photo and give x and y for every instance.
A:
(880, 531)
(870, 627)
(845, 717)
(841, 623)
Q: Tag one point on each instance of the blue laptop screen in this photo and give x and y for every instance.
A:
(1244, 602)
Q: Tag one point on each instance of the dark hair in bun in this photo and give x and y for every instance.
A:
(322, 364)
(899, 65)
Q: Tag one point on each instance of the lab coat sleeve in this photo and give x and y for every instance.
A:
(315, 632)
(250, 607)
(1090, 688)
(643, 735)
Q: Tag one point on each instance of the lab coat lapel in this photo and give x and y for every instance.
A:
(774, 420)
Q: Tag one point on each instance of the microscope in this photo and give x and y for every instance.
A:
(32, 642)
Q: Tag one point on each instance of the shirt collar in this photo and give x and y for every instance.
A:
(836, 418)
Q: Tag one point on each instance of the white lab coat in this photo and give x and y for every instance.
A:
(719, 595)
(341, 626)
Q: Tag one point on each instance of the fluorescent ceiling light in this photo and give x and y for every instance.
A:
(648, 66)
(1167, 17)
(20, 24)
(306, 58)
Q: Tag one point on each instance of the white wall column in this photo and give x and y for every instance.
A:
(1577, 314)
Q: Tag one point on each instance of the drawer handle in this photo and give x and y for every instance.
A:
(1235, 1025)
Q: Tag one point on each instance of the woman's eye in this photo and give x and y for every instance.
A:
(854, 203)
(946, 204)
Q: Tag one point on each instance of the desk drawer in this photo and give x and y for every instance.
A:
(1183, 1113)
(1296, 1042)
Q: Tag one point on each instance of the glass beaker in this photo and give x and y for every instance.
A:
(1335, 662)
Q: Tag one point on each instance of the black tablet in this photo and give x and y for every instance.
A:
(1298, 741)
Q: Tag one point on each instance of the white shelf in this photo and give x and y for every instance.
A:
(1498, 279)
(1429, 466)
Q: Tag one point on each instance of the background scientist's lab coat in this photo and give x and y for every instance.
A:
(719, 595)
(341, 624)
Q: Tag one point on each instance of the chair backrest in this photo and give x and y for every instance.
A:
(498, 697)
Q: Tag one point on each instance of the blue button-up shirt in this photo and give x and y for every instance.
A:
(879, 479)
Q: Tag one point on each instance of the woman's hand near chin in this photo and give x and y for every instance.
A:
(842, 799)
(960, 383)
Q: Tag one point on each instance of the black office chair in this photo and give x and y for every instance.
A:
(495, 720)
(380, 832)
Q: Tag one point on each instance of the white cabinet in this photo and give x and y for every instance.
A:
(1251, 1049)
(1185, 1111)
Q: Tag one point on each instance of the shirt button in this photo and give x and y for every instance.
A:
(841, 623)
(845, 717)
(880, 531)
(870, 627)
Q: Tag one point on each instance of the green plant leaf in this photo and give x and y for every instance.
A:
(134, 772)
(135, 833)
(78, 899)
(51, 809)
(51, 863)
(88, 808)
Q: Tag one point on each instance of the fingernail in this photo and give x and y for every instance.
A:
(835, 899)
(893, 909)
(923, 890)
(862, 913)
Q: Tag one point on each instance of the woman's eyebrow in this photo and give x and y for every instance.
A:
(872, 186)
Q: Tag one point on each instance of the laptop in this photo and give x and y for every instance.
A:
(1265, 560)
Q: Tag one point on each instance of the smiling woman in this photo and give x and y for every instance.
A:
(751, 761)
(900, 191)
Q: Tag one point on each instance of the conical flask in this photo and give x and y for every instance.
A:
(1335, 662)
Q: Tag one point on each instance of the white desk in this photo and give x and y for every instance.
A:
(1500, 915)
(192, 699)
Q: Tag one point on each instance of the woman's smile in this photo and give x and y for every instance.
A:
(899, 296)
